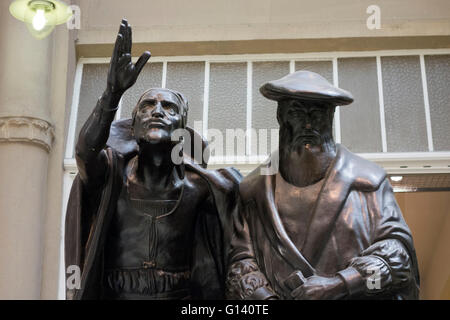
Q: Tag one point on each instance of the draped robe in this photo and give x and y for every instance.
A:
(88, 220)
(356, 229)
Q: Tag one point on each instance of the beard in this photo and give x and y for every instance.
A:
(305, 156)
(306, 141)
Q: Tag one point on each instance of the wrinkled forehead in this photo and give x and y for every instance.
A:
(162, 95)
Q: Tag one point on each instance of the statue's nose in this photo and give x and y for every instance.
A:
(308, 126)
(158, 111)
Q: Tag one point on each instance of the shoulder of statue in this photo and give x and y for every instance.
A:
(226, 179)
(115, 158)
(194, 180)
(252, 184)
(363, 174)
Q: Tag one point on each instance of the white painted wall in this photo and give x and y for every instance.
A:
(206, 20)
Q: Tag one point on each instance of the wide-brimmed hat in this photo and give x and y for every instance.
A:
(307, 86)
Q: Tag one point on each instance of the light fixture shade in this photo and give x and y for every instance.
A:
(57, 13)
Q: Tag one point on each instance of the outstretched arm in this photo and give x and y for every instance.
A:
(95, 132)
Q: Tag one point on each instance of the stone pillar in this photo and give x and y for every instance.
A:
(26, 135)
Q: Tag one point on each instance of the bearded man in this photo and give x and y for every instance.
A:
(326, 224)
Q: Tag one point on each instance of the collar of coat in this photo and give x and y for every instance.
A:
(347, 172)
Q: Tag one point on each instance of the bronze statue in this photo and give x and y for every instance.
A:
(138, 225)
(325, 225)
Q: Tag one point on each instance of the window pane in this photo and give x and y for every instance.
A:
(228, 99)
(188, 78)
(264, 111)
(438, 79)
(150, 77)
(403, 104)
(360, 121)
(324, 68)
(93, 84)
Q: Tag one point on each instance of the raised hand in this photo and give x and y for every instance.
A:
(122, 72)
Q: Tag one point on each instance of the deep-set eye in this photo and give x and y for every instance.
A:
(170, 108)
(148, 104)
(143, 106)
(298, 113)
(317, 114)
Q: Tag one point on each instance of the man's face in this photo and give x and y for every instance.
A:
(158, 114)
(310, 124)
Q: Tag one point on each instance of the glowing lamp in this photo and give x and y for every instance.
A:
(40, 16)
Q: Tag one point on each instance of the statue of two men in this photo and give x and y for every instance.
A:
(141, 226)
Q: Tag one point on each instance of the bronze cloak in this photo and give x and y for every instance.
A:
(355, 215)
(88, 218)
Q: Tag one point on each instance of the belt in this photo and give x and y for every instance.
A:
(146, 283)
